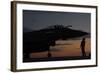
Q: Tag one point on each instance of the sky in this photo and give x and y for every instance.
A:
(35, 20)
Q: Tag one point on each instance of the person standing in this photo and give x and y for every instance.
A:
(82, 46)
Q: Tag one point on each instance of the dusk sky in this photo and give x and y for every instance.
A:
(35, 20)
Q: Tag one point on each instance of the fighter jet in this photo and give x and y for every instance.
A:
(41, 40)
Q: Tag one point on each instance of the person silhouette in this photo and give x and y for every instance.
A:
(82, 46)
(49, 54)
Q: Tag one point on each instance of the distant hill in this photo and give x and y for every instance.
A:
(26, 30)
